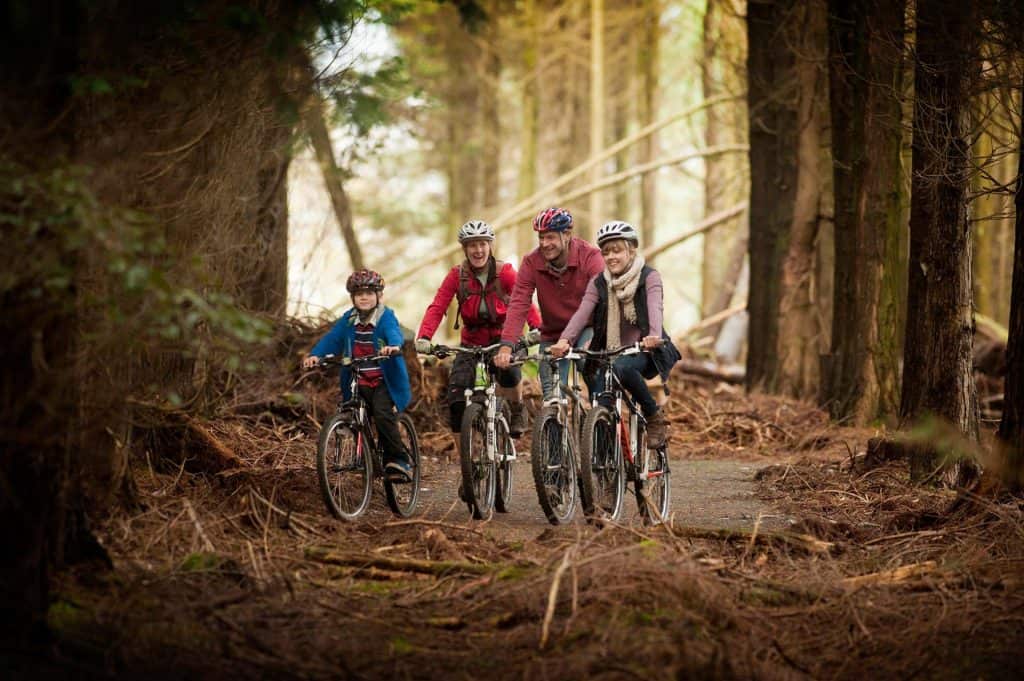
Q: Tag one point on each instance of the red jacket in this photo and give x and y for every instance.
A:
(558, 294)
(476, 330)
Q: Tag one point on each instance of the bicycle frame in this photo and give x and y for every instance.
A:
(485, 383)
(568, 400)
(358, 406)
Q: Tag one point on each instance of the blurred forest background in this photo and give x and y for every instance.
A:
(832, 189)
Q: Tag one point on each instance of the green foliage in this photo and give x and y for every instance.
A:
(364, 100)
(69, 250)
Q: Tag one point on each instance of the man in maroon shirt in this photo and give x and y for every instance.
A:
(559, 269)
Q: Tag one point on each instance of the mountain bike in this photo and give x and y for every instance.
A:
(486, 449)
(556, 432)
(349, 456)
(613, 450)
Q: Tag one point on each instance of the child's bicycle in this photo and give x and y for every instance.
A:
(612, 454)
(486, 449)
(348, 456)
(556, 432)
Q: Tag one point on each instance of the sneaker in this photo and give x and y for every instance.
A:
(398, 471)
(657, 431)
(517, 424)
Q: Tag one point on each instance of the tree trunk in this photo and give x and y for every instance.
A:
(937, 372)
(772, 177)
(529, 129)
(597, 103)
(798, 339)
(861, 381)
(491, 124)
(316, 127)
(1011, 428)
(725, 177)
(647, 65)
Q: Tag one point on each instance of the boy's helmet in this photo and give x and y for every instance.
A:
(553, 220)
(364, 279)
(475, 229)
(617, 229)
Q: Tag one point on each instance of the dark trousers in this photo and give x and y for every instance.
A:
(630, 370)
(386, 418)
(463, 376)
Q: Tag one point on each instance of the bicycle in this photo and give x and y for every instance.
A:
(486, 448)
(608, 447)
(349, 457)
(556, 432)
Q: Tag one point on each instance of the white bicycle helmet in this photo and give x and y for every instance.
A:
(475, 229)
(617, 229)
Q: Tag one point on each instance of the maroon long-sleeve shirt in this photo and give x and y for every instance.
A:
(559, 294)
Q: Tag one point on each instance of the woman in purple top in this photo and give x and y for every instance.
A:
(635, 314)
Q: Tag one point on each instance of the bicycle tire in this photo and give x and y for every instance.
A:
(478, 472)
(653, 496)
(343, 468)
(556, 484)
(601, 471)
(503, 487)
(402, 496)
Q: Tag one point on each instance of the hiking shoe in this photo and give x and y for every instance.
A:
(657, 430)
(517, 424)
(398, 471)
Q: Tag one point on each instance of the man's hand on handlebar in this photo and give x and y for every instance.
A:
(503, 357)
(560, 348)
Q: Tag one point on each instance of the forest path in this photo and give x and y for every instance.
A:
(713, 494)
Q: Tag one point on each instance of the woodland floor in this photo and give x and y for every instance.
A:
(786, 557)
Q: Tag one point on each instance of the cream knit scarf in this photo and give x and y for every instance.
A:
(624, 289)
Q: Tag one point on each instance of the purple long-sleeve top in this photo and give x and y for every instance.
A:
(628, 332)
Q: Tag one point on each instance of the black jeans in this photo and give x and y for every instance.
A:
(463, 376)
(382, 408)
(630, 370)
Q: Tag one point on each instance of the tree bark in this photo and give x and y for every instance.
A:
(937, 372)
(1011, 427)
(798, 339)
(866, 36)
(647, 65)
(772, 177)
(316, 127)
(597, 124)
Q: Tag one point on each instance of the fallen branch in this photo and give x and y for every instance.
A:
(437, 568)
(734, 376)
(804, 542)
(890, 577)
(549, 613)
(207, 544)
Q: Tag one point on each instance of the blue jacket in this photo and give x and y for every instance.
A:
(338, 341)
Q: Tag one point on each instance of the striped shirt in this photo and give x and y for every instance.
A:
(370, 375)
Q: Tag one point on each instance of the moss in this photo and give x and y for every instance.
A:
(64, 615)
(201, 562)
(400, 646)
(512, 572)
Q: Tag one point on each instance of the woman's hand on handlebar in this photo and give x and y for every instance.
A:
(560, 348)
(310, 361)
(651, 342)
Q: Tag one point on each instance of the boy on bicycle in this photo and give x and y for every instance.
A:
(625, 305)
(366, 329)
(482, 286)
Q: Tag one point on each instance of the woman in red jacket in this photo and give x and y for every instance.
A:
(482, 285)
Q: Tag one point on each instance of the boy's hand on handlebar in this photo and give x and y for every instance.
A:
(560, 348)
(503, 357)
(310, 361)
(389, 350)
(651, 342)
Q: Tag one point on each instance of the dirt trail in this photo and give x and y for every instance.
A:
(708, 494)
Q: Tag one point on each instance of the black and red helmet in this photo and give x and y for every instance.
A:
(364, 279)
(553, 220)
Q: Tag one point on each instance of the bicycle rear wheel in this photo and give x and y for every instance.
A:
(554, 468)
(344, 468)
(402, 496)
(478, 470)
(505, 449)
(601, 471)
(653, 495)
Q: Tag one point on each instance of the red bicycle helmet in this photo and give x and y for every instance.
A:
(364, 279)
(553, 220)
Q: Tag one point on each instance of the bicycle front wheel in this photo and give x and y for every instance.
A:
(344, 467)
(602, 477)
(653, 495)
(554, 468)
(478, 469)
(402, 496)
(506, 450)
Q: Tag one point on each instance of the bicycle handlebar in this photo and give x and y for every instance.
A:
(583, 353)
(334, 360)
